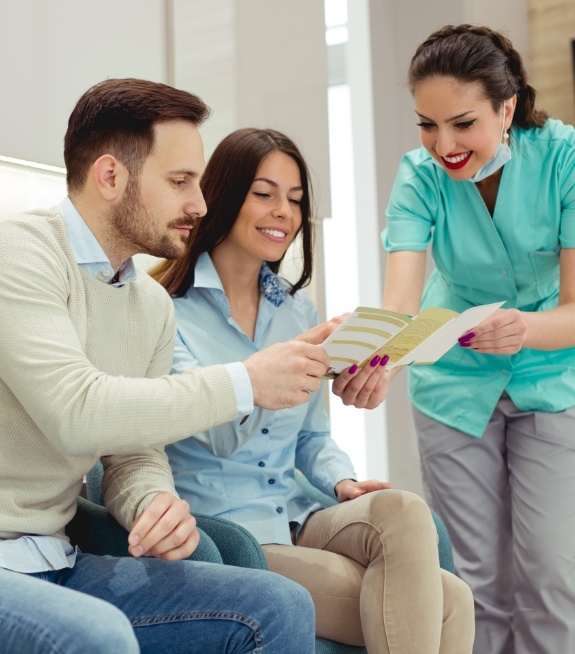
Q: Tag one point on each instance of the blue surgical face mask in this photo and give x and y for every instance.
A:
(498, 160)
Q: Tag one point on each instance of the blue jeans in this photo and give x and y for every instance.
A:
(40, 618)
(192, 606)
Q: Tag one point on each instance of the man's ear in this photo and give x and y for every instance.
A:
(110, 177)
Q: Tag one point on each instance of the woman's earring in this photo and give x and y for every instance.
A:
(505, 136)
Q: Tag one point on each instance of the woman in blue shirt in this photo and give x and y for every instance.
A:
(493, 191)
(230, 303)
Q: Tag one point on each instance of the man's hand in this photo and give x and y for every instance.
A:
(365, 389)
(283, 375)
(347, 489)
(166, 530)
(503, 332)
(317, 335)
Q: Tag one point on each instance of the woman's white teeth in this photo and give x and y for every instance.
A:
(273, 232)
(457, 158)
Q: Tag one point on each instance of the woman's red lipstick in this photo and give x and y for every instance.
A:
(459, 164)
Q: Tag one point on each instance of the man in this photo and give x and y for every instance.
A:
(85, 352)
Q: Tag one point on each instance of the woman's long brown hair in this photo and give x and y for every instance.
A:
(225, 185)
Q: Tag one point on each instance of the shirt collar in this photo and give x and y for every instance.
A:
(206, 276)
(88, 253)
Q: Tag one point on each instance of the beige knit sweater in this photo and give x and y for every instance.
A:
(84, 374)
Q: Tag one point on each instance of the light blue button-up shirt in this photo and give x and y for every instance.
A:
(253, 485)
(512, 256)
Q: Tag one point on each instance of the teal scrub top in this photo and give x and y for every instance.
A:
(512, 256)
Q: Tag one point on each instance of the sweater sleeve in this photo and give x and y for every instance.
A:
(81, 410)
(131, 481)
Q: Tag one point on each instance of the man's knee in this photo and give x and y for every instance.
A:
(109, 631)
(294, 597)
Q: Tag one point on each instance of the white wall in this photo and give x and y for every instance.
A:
(53, 50)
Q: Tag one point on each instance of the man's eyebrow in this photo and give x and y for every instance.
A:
(447, 120)
(270, 181)
(184, 171)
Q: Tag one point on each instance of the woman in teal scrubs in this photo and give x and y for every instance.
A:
(492, 191)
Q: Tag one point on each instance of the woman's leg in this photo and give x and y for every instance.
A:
(391, 535)
(467, 483)
(37, 617)
(191, 606)
(334, 583)
(541, 456)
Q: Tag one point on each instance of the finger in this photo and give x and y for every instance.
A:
(372, 485)
(509, 349)
(179, 539)
(165, 524)
(497, 344)
(148, 519)
(315, 369)
(359, 389)
(379, 393)
(185, 550)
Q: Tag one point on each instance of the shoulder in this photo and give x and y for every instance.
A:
(416, 162)
(419, 174)
(45, 224)
(549, 148)
(34, 237)
(553, 134)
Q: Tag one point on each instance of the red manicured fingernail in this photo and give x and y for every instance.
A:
(467, 337)
(384, 360)
(376, 359)
(353, 369)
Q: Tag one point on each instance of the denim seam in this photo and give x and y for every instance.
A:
(202, 615)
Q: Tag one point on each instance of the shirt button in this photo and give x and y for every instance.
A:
(265, 430)
(106, 272)
(503, 273)
(261, 464)
(271, 481)
(279, 510)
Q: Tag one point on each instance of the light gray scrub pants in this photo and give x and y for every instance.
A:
(508, 500)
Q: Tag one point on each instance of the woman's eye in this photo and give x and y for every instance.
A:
(426, 127)
(178, 182)
(295, 201)
(261, 195)
(468, 124)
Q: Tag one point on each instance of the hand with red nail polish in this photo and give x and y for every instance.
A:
(503, 332)
(364, 388)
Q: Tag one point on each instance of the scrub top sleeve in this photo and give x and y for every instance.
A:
(412, 207)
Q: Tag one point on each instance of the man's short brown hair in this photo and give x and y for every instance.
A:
(117, 117)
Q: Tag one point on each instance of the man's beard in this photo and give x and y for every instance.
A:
(140, 230)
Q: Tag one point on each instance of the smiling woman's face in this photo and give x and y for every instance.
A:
(270, 216)
(458, 125)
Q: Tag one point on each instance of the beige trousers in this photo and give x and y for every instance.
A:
(372, 568)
